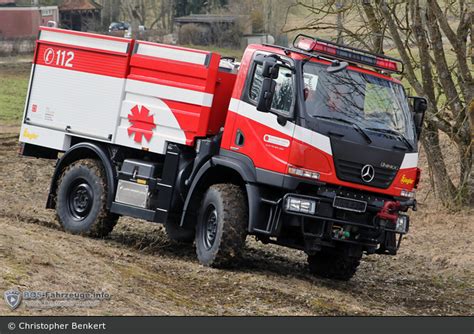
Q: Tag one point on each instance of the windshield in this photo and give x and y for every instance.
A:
(372, 103)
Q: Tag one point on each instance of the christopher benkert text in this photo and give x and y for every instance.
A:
(61, 326)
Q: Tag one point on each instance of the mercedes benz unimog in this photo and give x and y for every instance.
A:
(312, 147)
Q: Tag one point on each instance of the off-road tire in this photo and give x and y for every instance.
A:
(96, 221)
(177, 233)
(230, 206)
(334, 263)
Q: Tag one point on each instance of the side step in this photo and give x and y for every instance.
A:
(157, 216)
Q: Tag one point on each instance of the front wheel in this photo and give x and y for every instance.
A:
(82, 198)
(222, 225)
(334, 263)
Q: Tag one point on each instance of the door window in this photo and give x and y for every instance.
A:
(283, 98)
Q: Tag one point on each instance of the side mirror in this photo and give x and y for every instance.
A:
(420, 105)
(266, 95)
(270, 68)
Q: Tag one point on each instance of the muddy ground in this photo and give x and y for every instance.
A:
(146, 274)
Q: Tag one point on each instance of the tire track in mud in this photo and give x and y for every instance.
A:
(29, 220)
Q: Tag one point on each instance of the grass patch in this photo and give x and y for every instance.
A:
(13, 89)
(13, 273)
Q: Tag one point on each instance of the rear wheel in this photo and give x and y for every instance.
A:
(82, 198)
(222, 225)
(334, 263)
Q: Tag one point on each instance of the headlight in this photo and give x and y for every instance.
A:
(301, 205)
(402, 224)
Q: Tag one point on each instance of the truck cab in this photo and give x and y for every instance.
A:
(312, 147)
(334, 148)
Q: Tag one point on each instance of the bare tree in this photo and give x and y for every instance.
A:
(431, 37)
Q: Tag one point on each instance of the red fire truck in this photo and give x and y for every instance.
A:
(312, 147)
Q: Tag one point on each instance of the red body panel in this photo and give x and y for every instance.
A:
(194, 120)
(264, 155)
(220, 104)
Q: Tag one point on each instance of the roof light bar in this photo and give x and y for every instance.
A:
(306, 44)
(351, 54)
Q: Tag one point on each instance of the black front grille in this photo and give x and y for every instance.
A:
(351, 171)
(349, 204)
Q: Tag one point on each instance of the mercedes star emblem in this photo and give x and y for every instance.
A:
(367, 173)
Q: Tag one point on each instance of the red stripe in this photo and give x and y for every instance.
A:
(162, 76)
(101, 63)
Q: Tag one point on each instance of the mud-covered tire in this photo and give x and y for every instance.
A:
(82, 198)
(334, 263)
(222, 225)
(177, 233)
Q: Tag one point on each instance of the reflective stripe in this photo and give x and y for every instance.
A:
(84, 41)
(249, 111)
(300, 133)
(172, 53)
(314, 139)
(169, 93)
(410, 160)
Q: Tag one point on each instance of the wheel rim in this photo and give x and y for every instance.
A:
(210, 228)
(80, 199)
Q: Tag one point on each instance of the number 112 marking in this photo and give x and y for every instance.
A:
(64, 58)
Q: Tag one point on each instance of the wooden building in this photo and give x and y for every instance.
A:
(80, 15)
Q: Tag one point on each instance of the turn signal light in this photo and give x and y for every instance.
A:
(408, 194)
(303, 173)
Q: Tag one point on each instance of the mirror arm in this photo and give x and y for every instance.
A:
(282, 120)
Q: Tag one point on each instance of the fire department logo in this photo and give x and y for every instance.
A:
(12, 298)
(142, 124)
(48, 56)
(367, 173)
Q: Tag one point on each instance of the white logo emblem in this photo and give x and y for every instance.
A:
(276, 140)
(12, 298)
(48, 56)
(367, 173)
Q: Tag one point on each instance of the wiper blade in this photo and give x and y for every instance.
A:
(395, 134)
(345, 121)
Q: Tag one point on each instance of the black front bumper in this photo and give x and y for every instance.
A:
(331, 223)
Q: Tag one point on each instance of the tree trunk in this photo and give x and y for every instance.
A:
(375, 26)
(444, 187)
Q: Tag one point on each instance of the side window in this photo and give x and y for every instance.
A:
(283, 98)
